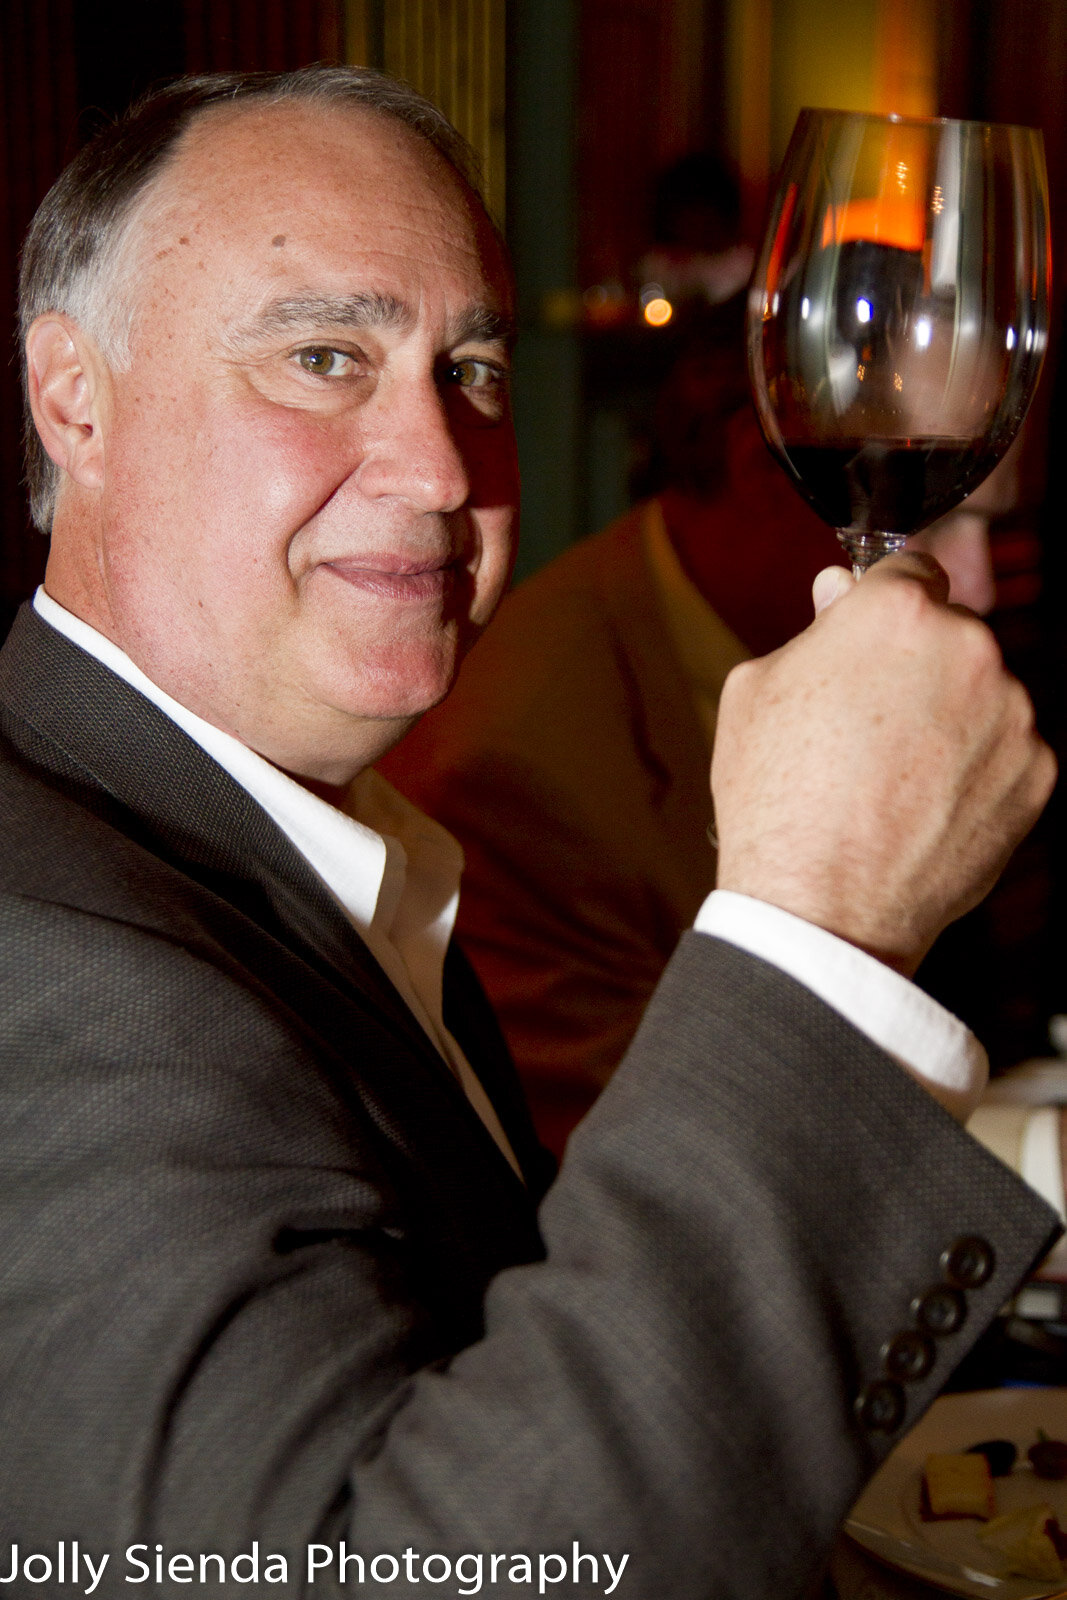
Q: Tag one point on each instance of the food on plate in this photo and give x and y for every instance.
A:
(1029, 1540)
(1000, 1453)
(957, 1484)
(1048, 1457)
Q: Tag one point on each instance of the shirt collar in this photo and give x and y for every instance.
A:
(356, 852)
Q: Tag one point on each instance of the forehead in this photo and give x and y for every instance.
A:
(261, 198)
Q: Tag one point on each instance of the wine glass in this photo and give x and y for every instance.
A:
(898, 315)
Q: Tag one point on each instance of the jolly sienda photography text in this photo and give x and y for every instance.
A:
(84, 1570)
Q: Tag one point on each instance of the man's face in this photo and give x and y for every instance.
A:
(309, 469)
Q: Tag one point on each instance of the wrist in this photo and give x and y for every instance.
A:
(822, 900)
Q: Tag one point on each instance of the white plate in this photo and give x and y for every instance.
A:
(885, 1519)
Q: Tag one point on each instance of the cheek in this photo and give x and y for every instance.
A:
(496, 528)
(231, 487)
(274, 468)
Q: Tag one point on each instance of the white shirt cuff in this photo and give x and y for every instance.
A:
(925, 1039)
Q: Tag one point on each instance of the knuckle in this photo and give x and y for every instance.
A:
(986, 650)
(910, 602)
(913, 613)
(979, 657)
(1021, 709)
(1027, 714)
(1046, 771)
(740, 682)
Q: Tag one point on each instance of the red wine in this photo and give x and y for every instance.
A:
(888, 485)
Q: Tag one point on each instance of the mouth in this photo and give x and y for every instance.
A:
(393, 578)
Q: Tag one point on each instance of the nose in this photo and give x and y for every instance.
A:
(411, 452)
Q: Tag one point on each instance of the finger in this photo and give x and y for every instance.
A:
(917, 565)
(830, 584)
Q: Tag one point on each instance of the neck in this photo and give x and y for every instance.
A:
(334, 794)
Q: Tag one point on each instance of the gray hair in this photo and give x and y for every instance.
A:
(78, 251)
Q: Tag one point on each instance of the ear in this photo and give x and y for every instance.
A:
(67, 382)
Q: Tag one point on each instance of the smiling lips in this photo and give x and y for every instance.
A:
(393, 578)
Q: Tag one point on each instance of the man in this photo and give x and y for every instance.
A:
(265, 1171)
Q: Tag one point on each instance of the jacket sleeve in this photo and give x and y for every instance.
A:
(697, 1375)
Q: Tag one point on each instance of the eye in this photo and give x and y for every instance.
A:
(473, 374)
(322, 361)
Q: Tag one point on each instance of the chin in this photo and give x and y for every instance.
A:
(410, 707)
(400, 689)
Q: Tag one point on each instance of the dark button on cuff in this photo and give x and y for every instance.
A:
(969, 1263)
(880, 1406)
(940, 1310)
(909, 1356)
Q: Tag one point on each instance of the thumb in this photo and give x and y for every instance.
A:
(830, 584)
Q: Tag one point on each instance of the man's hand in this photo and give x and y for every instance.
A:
(874, 775)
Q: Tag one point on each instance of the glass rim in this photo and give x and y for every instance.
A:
(899, 118)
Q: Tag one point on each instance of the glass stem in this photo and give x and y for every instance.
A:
(866, 548)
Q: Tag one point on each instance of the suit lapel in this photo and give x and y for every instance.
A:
(88, 725)
(471, 1020)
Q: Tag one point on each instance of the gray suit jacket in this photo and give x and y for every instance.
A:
(266, 1277)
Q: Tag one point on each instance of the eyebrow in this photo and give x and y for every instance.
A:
(480, 324)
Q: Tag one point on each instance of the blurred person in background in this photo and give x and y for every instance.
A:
(697, 251)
